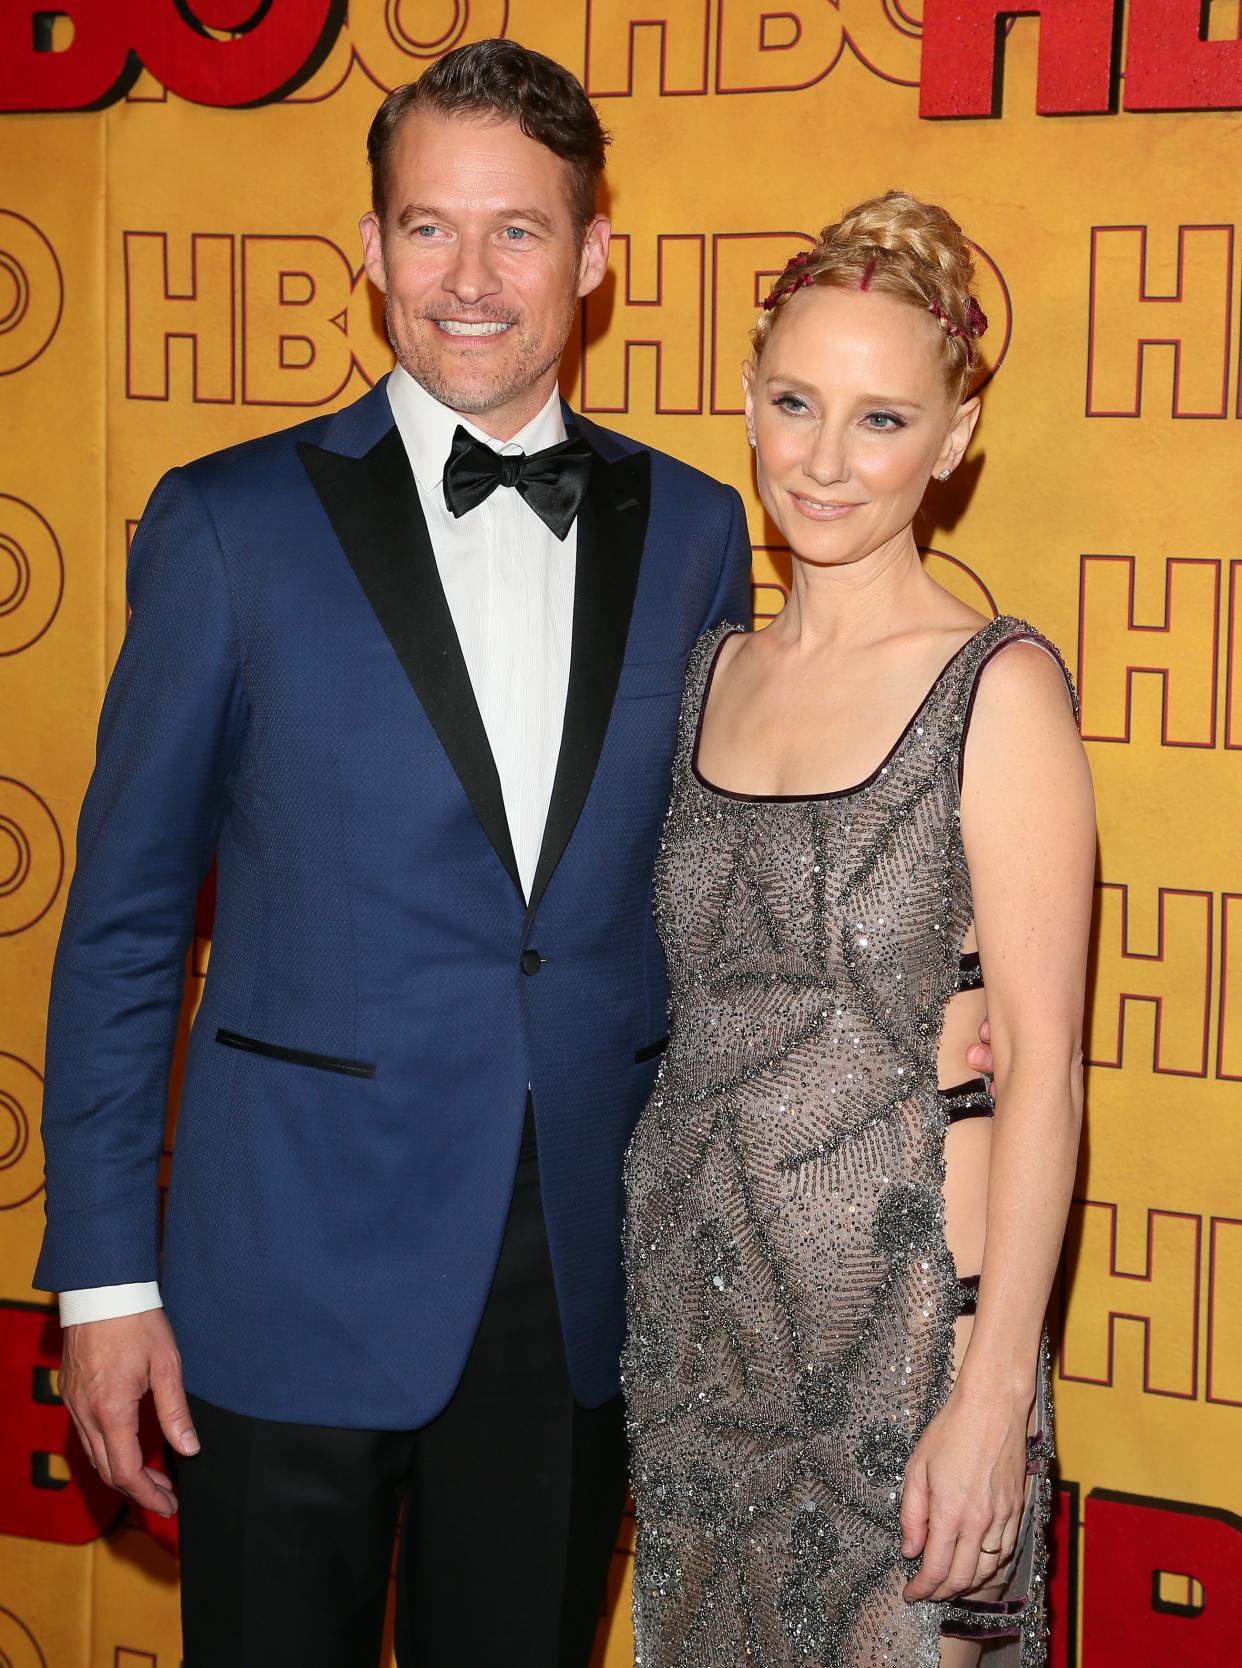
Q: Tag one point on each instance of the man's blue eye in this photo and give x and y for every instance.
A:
(514, 232)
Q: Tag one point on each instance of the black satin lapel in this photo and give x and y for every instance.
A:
(372, 503)
(612, 524)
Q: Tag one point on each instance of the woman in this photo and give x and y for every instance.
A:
(838, 1259)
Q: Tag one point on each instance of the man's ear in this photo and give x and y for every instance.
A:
(373, 250)
(593, 261)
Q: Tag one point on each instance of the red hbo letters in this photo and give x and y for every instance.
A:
(1168, 66)
(236, 52)
(113, 39)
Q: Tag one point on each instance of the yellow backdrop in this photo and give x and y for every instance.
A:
(176, 277)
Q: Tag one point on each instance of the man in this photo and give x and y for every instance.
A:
(420, 698)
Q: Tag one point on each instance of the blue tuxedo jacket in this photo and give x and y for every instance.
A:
(291, 696)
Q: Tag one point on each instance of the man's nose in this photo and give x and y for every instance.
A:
(471, 274)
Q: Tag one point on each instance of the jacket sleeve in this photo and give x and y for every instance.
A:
(170, 736)
(733, 597)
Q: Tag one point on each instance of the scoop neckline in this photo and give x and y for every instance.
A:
(830, 793)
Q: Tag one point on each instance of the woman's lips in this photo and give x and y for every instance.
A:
(817, 509)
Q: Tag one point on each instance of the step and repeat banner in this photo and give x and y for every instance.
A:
(180, 185)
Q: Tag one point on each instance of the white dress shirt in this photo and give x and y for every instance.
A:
(510, 587)
(509, 582)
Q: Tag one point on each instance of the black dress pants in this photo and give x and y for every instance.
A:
(510, 1502)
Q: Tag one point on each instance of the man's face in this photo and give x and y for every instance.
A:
(480, 264)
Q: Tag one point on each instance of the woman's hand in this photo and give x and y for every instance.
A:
(965, 1488)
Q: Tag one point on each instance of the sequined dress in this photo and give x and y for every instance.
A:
(791, 1296)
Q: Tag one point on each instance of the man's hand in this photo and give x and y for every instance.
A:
(979, 1055)
(106, 1369)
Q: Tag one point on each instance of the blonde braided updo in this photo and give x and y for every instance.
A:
(899, 246)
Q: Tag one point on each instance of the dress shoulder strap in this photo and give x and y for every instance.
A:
(704, 651)
(699, 669)
(984, 648)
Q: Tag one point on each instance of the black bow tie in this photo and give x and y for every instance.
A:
(552, 482)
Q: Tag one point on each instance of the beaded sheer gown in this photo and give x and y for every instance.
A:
(792, 1300)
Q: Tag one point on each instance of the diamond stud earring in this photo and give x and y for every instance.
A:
(943, 475)
(750, 438)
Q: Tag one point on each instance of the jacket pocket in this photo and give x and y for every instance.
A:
(650, 1052)
(296, 1056)
(641, 679)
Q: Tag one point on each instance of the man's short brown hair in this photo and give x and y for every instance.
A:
(501, 79)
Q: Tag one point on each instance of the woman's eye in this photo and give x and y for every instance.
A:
(883, 421)
(789, 402)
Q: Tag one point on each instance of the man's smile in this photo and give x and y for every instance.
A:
(460, 327)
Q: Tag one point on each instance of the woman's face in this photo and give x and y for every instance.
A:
(851, 414)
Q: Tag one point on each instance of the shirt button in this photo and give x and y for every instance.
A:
(531, 962)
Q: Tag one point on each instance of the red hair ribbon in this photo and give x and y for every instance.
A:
(790, 280)
(976, 319)
(795, 276)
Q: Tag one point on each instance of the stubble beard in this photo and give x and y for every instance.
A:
(475, 393)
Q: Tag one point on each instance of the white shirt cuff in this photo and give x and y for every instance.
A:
(96, 1303)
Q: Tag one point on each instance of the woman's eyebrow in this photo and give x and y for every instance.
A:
(796, 385)
(791, 382)
(892, 399)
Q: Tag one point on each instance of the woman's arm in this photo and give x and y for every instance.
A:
(1028, 827)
